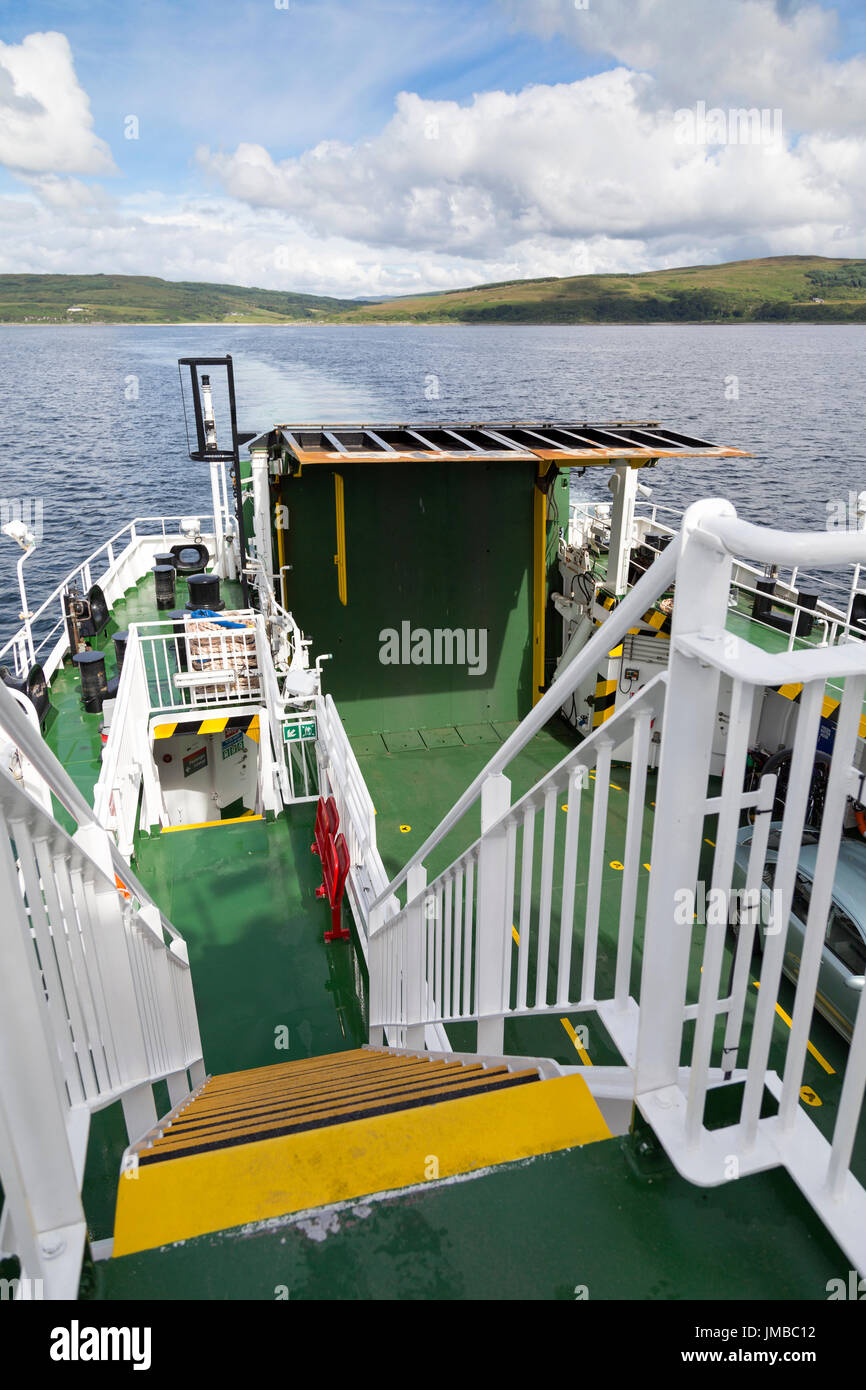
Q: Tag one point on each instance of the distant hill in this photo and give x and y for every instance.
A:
(146, 299)
(775, 289)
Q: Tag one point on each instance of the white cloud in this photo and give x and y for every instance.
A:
(560, 168)
(551, 180)
(739, 52)
(45, 122)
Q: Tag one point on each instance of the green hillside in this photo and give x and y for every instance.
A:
(146, 299)
(775, 289)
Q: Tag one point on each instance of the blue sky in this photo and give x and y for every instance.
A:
(221, 73)
(382, 147)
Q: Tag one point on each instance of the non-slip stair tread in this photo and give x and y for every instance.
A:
(163, 1151)
(311, 1083)
(235, 1120)
(278, 1096)
(313, 1114)
(304, 1063)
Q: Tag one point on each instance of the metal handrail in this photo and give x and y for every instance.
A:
(86, 563)
(14, 723)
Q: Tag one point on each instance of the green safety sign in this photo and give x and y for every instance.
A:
(293, 732)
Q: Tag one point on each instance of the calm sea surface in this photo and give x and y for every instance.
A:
(93, 424)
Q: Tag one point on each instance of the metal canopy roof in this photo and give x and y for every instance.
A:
(563, 442)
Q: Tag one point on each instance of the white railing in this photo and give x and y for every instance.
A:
(834, 625)
(128, 770)
(512, 926)
(96, 1004)
(208, 663)
(456, 933)
(115, 566)
(340, 777)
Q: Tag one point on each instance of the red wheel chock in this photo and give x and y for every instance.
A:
(333, 851)
(338, 865)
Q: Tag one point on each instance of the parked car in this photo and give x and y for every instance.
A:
(843, 961)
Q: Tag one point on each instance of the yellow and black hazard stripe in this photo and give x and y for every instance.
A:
(220, 724)
(603, 700)
(829, 708)
(658, 621)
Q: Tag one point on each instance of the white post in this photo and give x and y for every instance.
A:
(232, 548)
(110, 930)
(493, 919)
(415, 979)
(38, 1171)
(703, 581)
(262, 512)
(623, 485)
(25, 612)
(219, 521)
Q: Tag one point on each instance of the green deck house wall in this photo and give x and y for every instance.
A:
(438, 546)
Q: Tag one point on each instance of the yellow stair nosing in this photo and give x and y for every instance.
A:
(225, 1133)
(226, 1188)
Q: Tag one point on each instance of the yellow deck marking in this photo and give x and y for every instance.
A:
(648, 868)
(515, 933)
(404, 829)
(584, 1055)
(186, 1197)
(206, 824)
(709, 842)
(340, 557)
(809, 1096)
(615, 864)
(831, 1071)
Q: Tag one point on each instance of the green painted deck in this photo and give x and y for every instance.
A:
(268, 989)
(595, 1222)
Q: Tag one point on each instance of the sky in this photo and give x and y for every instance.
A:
(390, 146)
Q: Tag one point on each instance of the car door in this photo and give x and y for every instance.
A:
(797, 925)
(844, 956)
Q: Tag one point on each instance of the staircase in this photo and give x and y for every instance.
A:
(258, 1144)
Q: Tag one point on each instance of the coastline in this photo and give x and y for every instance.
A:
(452, 323)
